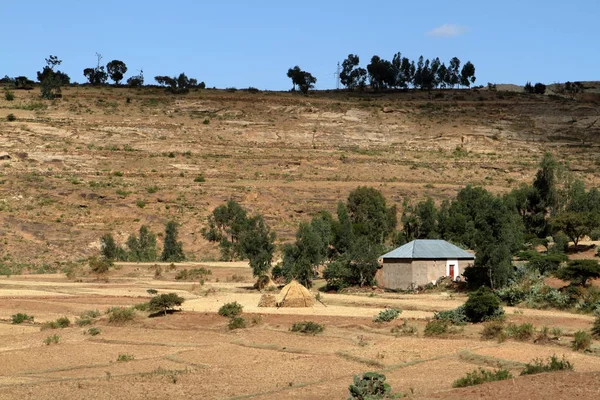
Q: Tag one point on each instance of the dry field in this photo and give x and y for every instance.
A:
(111, 159)
(192, 354)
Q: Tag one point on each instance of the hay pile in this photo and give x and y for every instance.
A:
(295, 295)
(265, 283)
(267, 300)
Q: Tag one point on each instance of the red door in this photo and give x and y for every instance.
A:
(451, 271)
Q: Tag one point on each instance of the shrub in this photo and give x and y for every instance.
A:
(370, 386)
(493, 330)
(93, 331)
(404, 329)
(11, 117)
(119, 315)
(520, 332)
(236, 323)
(62, 322)
(51, 339)
(596, 328)
(436, 327)
(200, 178)
(581, 341)
(455, 317)
(480, 376)
(308, 327)
(19, 318)
(141, 306)
(193, 274)
(83, 322)
(165, 302)
(8, 95)
(125, 357)
(387, 315)
(537, 366)
(90, 314)
(482, 305)
(230, 309)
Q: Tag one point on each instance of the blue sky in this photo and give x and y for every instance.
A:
(235, 43)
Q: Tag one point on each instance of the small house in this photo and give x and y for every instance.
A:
(420, 262)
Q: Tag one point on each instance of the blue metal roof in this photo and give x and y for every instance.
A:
(429, 250)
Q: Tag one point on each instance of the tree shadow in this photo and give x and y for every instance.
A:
(162, 313)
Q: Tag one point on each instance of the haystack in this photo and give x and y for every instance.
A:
(267, 300)
(295, 295)
(265, 283)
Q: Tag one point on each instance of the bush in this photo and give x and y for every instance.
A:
(62, 322)
(193, 274)
(125, 357)
(512, 295)
(370, 386)
(387, 315)
(9, 95)
(20, 318)
(493, 330)
(236, 323)
(83, 322)
(596, 328)
(230, 309)
(119, 315)
(537, 366)
(480, 376)
(200, 178)
(581, 341)
(404, 329)
(11, 117)
(308, 327)
(93, 331)
(482, 305)
(51, 339)
(455, 317)
(436, 327)
(165, 302)
(521, 332)
(90, 314)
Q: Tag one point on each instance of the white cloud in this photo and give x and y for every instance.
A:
(448, 30)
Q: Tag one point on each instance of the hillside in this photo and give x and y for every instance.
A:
(110, 159)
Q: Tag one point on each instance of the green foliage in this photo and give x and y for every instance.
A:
(200, 178)
(387, 315)
(521, 332)
(143, 247)
(177, 85)
(225, 226)
(455, 317)
(477, 377)
(172, 249)
(236, 323)
(59, 323)
(404, 330)
(369, 386)
(436, 327)
(582, 341)
(9, 94)
(304, 80)
(546, 263)
(136, 80)
(370, 215)
(193, 274)
(482, 305)
(230, 310)
(120, 315)
(100, 266)
(54, 339)
(420, 221)
(308, 327)
(578, 272)
(351, 75)
(575, 224)
(116, 70)
(165, 302)
(125, 357)
(537, 366)
(19, 318)
(108, 247)
(94, 331)
(257, 244)
(50, 80)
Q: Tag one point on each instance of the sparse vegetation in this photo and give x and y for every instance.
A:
(582, 341)
(236, 323)
(387, 315)
(54, 339)
(308, 327)
(537, 366)
(230, 310)
(19, 318)
(60, 323)
(479, 376)
(120, 315)
(125, 357)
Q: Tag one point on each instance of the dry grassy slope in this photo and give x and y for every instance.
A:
(93, 162)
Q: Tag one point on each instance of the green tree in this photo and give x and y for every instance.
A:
(301, 258)
(370, 215)
(142, 248)
(165, 302)
(454, 72)
(96, 75)
(51, 81)
(467, 74)
(420, 222)
(482, 305)
(342, 230)
(172, 249)
(352, 76)
(108, 247)
(575, 224)
(382, 73)
(225, 225)
(136, 80)
(304, 80)
(116, 70)
(578, 272)
(257, 244)
(177, 85)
